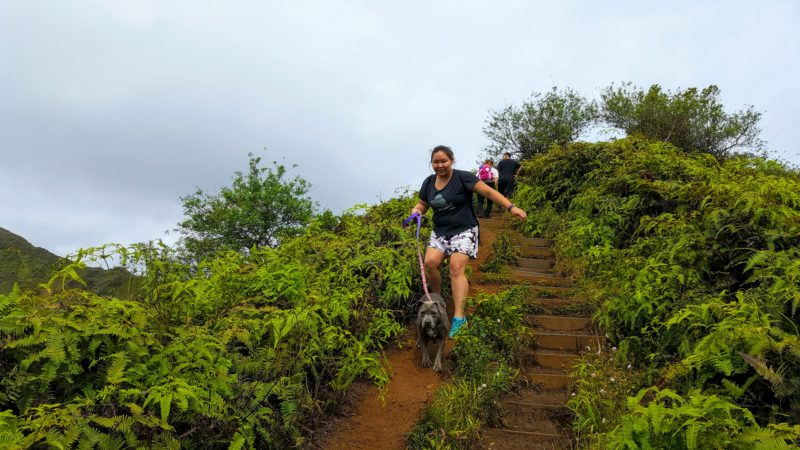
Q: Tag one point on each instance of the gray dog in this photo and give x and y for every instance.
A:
(432, 325)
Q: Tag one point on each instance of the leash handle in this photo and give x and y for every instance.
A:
(413, 216)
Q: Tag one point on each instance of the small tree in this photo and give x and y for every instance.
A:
(689, 119)
(555, 117)
(258, 210)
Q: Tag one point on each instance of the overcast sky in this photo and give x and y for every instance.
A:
(111, 110)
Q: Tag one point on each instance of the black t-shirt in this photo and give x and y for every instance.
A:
(507, 167)
(452, 206)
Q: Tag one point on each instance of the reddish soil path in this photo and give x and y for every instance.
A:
(384, 426)
(374, 425)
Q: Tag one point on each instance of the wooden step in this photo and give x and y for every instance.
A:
(531, 275)
(536, 252)
(545, 420)
(560, 323)
(548, 378)
(555, 398)
(503, 439)
(536, 263)
(554, 359)
(555, 301)
(577, 342)
(552, 289)
(535, 242)
(550, 272)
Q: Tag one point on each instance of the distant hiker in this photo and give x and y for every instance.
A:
(508, 169)
(489, 175)
(455, 227)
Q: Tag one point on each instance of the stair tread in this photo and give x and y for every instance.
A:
(575, 333)
(554, 397)
(500, 438)
(559, 323)
(550, 371)
(551, 352)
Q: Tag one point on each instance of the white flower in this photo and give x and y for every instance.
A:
(613, 349)
(602, 391)
(629, 366)
(604, 420)
(612, 379)
(573, 394)
(593, 374)
(498, 320)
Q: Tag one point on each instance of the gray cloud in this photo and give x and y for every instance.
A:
(111, 110)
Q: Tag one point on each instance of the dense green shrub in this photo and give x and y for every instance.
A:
(695, 260)
(238, 350)
(505, 253)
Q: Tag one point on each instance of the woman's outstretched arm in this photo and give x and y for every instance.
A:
(499, 199)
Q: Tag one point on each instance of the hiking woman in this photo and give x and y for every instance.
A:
(455, 227)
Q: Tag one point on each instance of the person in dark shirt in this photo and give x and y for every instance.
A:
(455, 227)
(508, 170)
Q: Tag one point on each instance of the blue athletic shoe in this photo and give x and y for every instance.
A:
(456, 325)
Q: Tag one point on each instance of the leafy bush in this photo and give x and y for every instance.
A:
(505, 252)
(695, 260)
(234, 350)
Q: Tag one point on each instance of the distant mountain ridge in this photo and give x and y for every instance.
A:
(27, 265)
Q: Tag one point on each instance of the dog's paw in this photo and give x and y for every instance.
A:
(426, 362)
(437, 367)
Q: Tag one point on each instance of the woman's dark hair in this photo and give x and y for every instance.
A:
(443, 148)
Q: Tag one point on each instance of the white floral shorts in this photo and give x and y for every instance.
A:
(465, 242)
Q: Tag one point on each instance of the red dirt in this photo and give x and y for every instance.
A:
(384, 426)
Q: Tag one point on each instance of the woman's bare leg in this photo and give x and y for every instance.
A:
(458, 282)
(433, 260)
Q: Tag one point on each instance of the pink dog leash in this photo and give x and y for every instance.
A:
(419, 254)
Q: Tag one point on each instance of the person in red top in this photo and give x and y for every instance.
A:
(489, 175)
(455, 227)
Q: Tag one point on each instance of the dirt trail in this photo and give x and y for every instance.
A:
(374, 425)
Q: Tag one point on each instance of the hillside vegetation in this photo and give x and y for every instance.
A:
(239, 350)
(694, 264)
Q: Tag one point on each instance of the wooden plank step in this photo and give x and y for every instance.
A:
(554, 398)
(576, 342)
(548, 378)
(530, 275)
(532, 420)
(536, 263)
(502, 439)
(554, 359)
(560, 323)
(536, 252)
(551, 272)
(552, 289)
(555, 301)
(536, 242)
